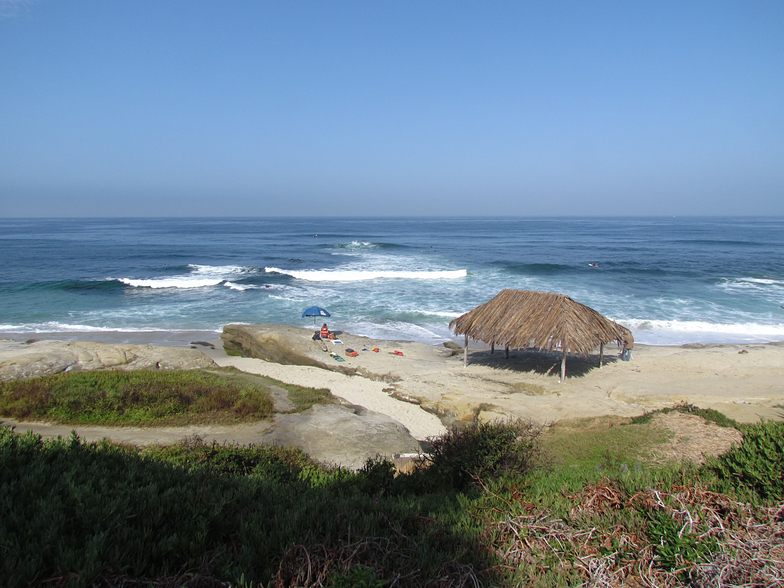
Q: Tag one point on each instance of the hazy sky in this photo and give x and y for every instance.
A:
(250, 108)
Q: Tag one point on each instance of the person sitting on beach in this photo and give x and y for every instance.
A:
(628, 345)
(324, 331)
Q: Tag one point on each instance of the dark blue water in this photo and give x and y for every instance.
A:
(671, 280)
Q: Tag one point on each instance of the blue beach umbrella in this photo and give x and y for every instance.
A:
(315, 311)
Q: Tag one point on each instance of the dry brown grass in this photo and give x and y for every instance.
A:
(749, 549)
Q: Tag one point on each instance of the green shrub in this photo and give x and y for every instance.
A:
(272, 462)
(377, 476)
(304, 398)
(758, 462)
(483, 451)
(98, 514)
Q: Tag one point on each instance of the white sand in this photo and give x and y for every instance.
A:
(354, 389)
(745, 382)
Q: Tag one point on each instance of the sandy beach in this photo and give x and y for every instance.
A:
(745, 382)
(426, 387)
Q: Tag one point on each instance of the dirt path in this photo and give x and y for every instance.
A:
(242, 434)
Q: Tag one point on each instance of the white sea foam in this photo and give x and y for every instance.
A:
(238, 287)
(357, 245)
(449, 315)
(660, 332)
(244, 287)
(759, 284)
(57, 327)
(760, 281)
(159, 283)
(362, 275)
(400, 330)
(201, 276)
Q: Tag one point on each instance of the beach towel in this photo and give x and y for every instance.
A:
(337, 342)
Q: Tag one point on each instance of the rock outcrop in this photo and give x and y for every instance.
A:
(280, 344)
(43, 358)
(343, 435)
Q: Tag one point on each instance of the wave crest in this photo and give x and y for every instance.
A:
(361, 275)
(201, 276)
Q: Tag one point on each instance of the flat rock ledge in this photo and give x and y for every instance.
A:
(342, 435)
(280, 344)
(42, 358)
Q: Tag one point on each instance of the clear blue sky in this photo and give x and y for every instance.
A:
(424, 107)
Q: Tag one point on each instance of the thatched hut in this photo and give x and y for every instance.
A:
(538, 320)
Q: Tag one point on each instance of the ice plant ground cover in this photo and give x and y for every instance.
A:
(194, 514)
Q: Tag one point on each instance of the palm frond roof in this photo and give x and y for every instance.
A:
(542, 320)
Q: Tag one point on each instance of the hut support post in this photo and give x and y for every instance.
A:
(492, 347)
(507, 351)
(465, 352)
(563, 360)
(601, 355)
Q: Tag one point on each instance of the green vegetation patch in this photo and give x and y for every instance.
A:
(302, 397)
(283, 464)
(602, 442)
(145, 397)
(483, 509)
(84, 514)
(708, 414)
(758, 463)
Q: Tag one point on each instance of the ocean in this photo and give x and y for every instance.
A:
(670, 280)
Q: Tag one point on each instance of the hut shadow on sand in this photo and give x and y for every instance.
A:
(540, 325)
(534, 361)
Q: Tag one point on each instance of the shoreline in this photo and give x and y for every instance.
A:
(164, 338)
(183, 338)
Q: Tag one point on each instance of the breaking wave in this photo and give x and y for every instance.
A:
(361, 275)
(201, 276)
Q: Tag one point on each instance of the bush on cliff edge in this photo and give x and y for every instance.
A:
(483, 451)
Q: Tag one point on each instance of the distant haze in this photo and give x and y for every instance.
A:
(212, 108)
